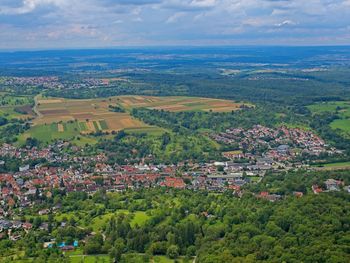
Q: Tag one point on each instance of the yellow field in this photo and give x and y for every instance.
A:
(60, 127)
(94, 114)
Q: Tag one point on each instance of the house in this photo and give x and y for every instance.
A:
(347, 188)
(283, 149)
(49, 244)
(67, 248)
(44, 212)
(24, 168)
(298, 194)
(270, 197)
(316, 189)
(333, 185)
(27, 226)
(174, 182)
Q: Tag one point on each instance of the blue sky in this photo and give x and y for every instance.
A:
(103, 23)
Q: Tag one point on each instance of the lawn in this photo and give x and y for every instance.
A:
(139, 218)
(68, 216)
(164, 259)
(90, 259)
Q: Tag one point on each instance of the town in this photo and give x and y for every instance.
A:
(281, 144)
(55, 167)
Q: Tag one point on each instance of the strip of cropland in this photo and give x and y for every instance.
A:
(68, 118)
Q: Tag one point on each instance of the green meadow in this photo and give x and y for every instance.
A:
(340, 108)
(49, 132)
(138, 218)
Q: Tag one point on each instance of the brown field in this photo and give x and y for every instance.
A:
(89, 111)
(26, 110)
(90, 126)
(55, 112)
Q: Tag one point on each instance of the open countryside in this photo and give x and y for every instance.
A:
(59, 117)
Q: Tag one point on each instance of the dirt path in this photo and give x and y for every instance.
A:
(35, 108)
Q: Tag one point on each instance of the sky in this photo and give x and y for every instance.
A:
(44, 24)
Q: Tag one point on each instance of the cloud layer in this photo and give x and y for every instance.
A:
(100, 23)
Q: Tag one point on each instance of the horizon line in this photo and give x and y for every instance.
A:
(13, 50)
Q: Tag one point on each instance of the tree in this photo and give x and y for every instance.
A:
(173, 251)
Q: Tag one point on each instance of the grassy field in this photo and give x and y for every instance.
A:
(77, 256)
(164, 259)
(107, 259)
(341, 109)
(139, 218)
(90, 259)
(49, 132)
(149, 130)
(342, 124)
(10, 103)
(10, 113)
(334, 166)
(7, 99)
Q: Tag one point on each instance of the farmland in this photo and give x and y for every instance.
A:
(177, 103)
(89, 116)
(59, 118)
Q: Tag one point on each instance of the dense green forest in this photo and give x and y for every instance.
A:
(212, 227)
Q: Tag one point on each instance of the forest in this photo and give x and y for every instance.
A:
(183, 224)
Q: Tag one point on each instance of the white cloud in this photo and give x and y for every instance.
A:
(170, 21)
(30, 5)
(175, 17)
(286, 23)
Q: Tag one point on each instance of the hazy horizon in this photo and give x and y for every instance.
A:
(166, 47)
